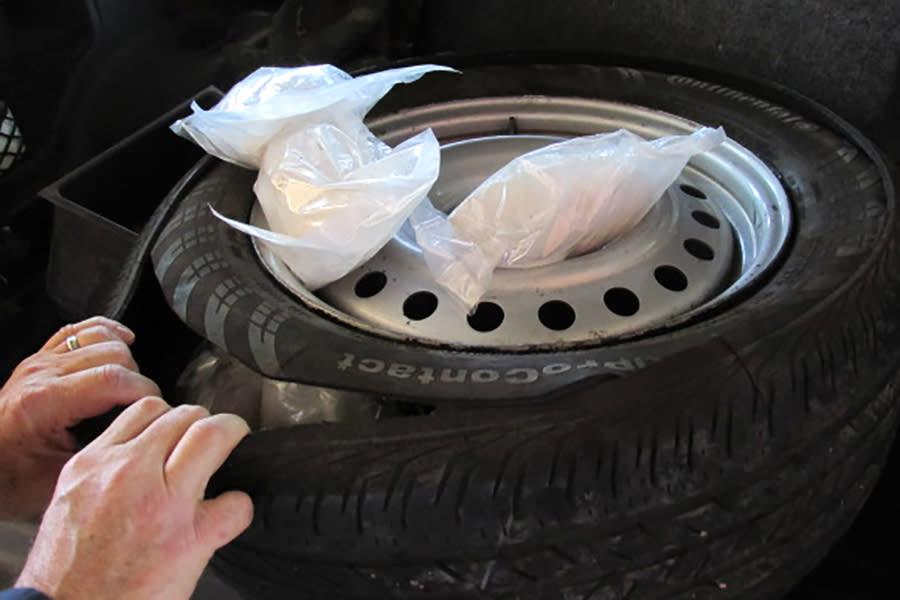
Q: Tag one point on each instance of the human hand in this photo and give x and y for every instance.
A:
(51, 391)
(128, 518)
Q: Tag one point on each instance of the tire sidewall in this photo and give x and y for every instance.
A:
(840, 214)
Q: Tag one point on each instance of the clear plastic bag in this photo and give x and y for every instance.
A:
(332, 208)
(331, 192)
(561, 200)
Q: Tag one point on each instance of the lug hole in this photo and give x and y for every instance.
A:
(699, 249)
(621, 301)
(556, 315)
(420, 305)
(671, 278)
(370, 284)
(692, 191)
(706, 219)
(487, 317)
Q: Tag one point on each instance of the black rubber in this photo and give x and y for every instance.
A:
(211, 276)
(120, 296)
(724, 469)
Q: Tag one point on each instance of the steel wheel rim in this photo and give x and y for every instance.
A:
(739, 193)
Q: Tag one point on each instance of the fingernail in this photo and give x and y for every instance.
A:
(127, 334)
(236, 423)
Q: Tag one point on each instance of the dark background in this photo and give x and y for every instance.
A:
(80, 75)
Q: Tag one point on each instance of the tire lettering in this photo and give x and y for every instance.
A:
(426, 376)
(517, 375)
(401, 371)
(458, 377)
(371, 365)
(620, 365)
(556, 368)
(522, 375)
(485, 376)
(346, 362)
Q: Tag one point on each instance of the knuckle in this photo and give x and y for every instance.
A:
(70, 469)
(67, 330)
(80, 462)
(197, 410)
(120, 353)
(112, 374)
(91, 322)
(151, 404)
(38, 365)
(191, 412)
(120, 475)
(208, 430)
(100, 332)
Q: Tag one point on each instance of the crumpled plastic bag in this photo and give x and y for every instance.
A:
(332, 203)
(331, 192)
(558, 201)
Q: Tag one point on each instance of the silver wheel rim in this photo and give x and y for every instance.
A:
(713, 234)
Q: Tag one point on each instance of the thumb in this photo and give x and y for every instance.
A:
(220, 520)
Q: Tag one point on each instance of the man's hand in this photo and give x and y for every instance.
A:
(49, 392)
(128, 519)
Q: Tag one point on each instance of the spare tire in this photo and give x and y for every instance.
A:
(724, 467)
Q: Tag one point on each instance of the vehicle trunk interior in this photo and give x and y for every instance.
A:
(81, 76)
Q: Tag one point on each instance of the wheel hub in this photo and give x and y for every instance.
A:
(708, 237)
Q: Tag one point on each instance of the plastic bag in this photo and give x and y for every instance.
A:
(332, 208)
(331, 192)
(561, 200)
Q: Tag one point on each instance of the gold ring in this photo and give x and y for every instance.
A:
(72, 343)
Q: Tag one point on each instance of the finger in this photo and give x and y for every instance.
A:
(58, 338)
(220, 520)
(165, 433)
(133, 421)
(65, 331)
(96, 334)
(94, 391)
(104, 353)
(202, 450)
